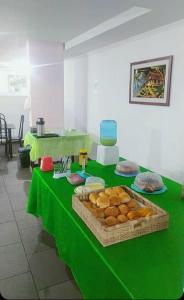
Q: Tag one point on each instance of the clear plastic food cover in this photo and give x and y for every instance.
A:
(127, 167)
(75, 179)
(95, 181)
(92, 184)
(149, 182)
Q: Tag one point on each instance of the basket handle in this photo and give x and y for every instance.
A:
(140, 223)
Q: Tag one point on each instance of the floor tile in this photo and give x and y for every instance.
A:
(17, 178)
(3, 195)
(18, 200)
(66, 290)
(24, 174)
(47, 269)
(1, 180)
(6, 213)
(12, 260)
(9, 233)
(10, 167)
(2, 189)
(18, 287)
(27, 184)
(35, 239)
(17, 187)
(25, 220)
(3, 165)
(11, 180)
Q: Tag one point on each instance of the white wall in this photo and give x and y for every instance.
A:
(13, 107)
(150, 135)
(13, 50)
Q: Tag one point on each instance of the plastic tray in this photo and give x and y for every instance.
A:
(162, 190)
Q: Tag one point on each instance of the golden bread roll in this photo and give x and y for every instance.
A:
(132, 204)
(101, 194)
(87, 204)
(122, 218)
(123, 209)
(124, 197)
(114, 200)
(109, 191)
(145, 211)
(117, 189)
(93, 205)
(98, 212)
(113, 193)
(110, 221)
(133, 215)
(150, 213)
(103, 202)
(111, 211)
(93, 197)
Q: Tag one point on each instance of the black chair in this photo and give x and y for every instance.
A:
(3, 133)
(19, 138)
(1, 127)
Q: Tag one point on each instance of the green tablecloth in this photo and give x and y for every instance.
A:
(148, 267)
(70, 144)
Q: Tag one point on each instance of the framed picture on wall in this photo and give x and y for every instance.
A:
(150, 81)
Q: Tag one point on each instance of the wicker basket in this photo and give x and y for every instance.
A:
(125, 231)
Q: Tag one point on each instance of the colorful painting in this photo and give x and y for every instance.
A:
(150, 81)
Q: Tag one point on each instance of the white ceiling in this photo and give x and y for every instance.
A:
(64, 20)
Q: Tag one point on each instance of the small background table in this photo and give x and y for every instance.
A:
(68, 144)
(147, 267)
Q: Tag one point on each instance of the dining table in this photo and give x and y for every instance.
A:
(55, 145)
(147, 267)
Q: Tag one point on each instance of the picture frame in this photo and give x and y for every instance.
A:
(150, 81)
(17, 84)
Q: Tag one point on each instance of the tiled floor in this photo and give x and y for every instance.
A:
(29, 265)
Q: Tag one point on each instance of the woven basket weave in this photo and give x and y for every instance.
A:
(125, 231)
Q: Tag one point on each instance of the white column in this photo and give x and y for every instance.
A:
(47, 83)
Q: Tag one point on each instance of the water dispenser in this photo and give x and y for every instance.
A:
(108, 152)
(108, 132)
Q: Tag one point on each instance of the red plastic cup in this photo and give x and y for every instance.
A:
(46, 163)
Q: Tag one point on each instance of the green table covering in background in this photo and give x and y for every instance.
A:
(68, 144)
(148, 267)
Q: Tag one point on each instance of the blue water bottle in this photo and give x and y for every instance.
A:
(108, 132)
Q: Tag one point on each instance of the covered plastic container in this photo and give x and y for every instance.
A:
(95, 182)
(127, 167)
(108, 132)
(94, 179)
(92, 184)
(75, 179)
(149, 182)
